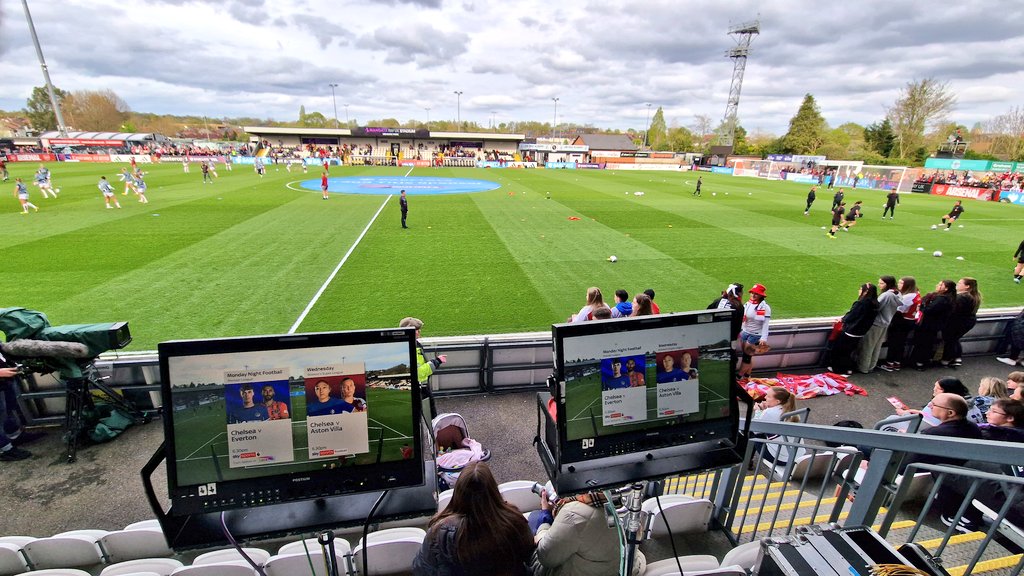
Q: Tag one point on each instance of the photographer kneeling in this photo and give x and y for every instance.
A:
(573, 538)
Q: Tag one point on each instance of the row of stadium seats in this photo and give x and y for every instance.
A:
(71, 553)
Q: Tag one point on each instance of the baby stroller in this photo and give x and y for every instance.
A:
(453, 448)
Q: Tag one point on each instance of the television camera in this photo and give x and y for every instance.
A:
(70, 351)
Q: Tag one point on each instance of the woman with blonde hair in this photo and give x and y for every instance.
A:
(990, 389)
(594, 300)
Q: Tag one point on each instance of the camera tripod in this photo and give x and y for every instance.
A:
(79, 400)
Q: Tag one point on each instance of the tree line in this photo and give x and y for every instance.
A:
(910, 130)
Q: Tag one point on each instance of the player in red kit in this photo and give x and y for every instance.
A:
(323, 183)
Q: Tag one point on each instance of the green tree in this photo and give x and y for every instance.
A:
(920, 103)
(39, 111)
(680, 139)
(806, 130)
(880, 137)
(302, 114)
(315, 120)
(657, 133)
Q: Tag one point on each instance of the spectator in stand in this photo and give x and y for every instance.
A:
(964, 316)
(990, 389)
(753, 339)
(945, 386)
(1018, 270)
(731, 299)
(950, 410)
(1015, 386)
(902, 323)
(623, 307)
(602, 313)
(642, 305)
(1014, 336)
(1006, 424)
(936, 307)
(594, 300)
(871, 345)
(856, 324)
(477, 533)
(654, 305)
(777, 401)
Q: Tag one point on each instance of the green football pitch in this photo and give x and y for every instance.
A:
(247, 255)
(201, 445)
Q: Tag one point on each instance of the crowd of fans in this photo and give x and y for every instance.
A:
(993, 180)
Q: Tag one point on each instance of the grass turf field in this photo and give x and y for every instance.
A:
(201, 445)
(246, 255)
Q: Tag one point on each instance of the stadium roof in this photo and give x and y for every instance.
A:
(128, 136)
(338, 132)
(606, 141)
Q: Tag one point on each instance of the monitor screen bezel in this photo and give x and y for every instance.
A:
(312, 484)
(581, 450)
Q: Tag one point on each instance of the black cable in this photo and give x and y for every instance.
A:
(227, 534)
(671, 539)
(366, 526)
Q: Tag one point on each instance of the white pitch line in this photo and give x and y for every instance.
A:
(337, 268)
(409, 172)
(585, 409)
(204, 445)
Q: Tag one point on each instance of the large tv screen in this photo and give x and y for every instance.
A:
(270, 419)
(633, 385)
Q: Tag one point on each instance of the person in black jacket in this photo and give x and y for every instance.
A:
(1018, 270)
(936, 308)
(856, 324)
(961, 320)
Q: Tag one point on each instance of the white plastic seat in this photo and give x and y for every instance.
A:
(216, 569)
(341, 547)
(153, 524)
(389, 551)
(66, 550)
(18, 541)
(11, 560)
(55, 572)
(745, 555)
(294, 564)
(444, 498)
(722, 571)
(689, 563)
(160, 566)
(230, 555)
(810, 465)
(141, 574)
(519, 493)
(684, 514)
(122, 545)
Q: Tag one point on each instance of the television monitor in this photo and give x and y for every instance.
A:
(635, 390)
(271, 419)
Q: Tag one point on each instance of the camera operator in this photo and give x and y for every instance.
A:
(9, 423)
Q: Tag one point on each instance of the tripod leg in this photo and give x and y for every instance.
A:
(77, 400)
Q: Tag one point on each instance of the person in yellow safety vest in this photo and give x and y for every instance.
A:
(424, 367)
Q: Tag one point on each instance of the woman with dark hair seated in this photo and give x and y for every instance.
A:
(478, 533)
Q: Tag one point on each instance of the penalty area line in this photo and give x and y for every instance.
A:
(338, 268)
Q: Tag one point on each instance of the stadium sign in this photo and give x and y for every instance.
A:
(555, 147)
(590, 165)
(962, 192)
(1012, 196)
(84, 142)
(31, 158)
(378, 131)
(1001, 167)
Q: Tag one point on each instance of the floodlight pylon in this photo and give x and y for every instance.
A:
(744, 34)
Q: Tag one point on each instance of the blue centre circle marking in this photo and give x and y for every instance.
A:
(413, 185)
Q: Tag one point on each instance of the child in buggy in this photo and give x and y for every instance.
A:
(453, 448)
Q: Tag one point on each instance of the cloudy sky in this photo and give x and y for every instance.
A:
(603, 60)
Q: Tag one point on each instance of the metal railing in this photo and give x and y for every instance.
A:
(817, 484)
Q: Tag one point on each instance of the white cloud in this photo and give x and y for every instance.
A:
(604, 60)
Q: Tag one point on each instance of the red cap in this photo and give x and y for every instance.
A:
(758, 289)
